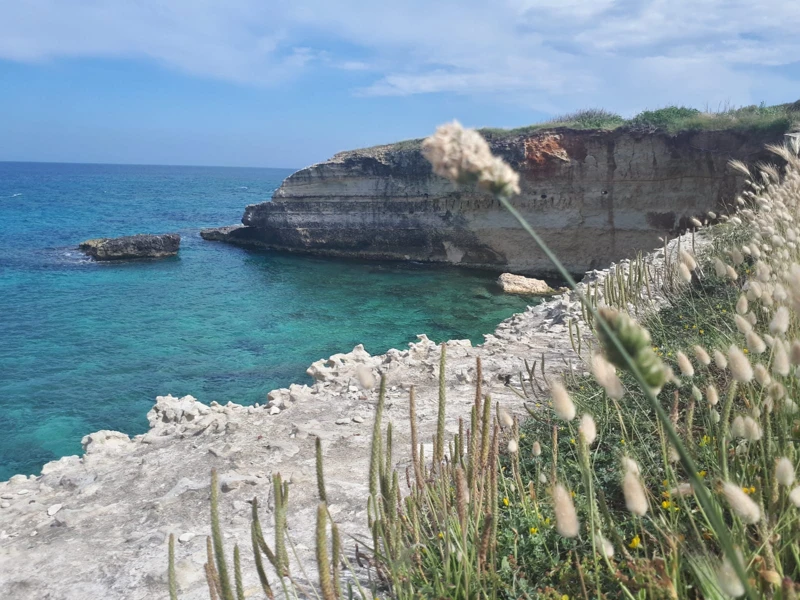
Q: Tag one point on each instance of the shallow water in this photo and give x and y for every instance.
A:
(87, 346)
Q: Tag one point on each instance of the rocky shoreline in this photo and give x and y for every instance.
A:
(97, 525)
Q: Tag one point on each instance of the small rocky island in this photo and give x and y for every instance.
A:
(132, 246)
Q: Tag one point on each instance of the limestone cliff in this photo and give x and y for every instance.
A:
(594, 196)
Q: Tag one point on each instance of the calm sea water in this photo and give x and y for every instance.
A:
(87, 346)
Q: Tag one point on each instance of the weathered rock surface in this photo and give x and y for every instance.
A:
(594, 196)
(132, 246)
(97, 526)
(519, 284)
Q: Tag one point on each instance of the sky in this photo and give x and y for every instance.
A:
(287, 83)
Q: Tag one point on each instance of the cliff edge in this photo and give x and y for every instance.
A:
(595, 196)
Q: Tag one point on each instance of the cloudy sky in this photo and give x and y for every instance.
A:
(289, 82)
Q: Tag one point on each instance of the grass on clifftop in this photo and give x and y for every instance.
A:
(672, 119)
(779, 118)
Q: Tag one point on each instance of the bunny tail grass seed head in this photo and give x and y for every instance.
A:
(562, 403)
(684, 272)
(720, 360)
(742, 324)
(606, 375)
(567, 523)
(606, 547)
(630, 465)
(780, 360)
(537, 448)
(754, 343)
(688, 260)
(719, 267)
(712, 394)
(635, 496)
(741, 305)
(780, 322)
(588, 429)
(463, 156)
(513, 447)
(741, 504)
(784, 471)
(506, 421)
(701, 355)
(740, 367)
(728, 580)
(752, 430)
(685, 365)
(737, 427)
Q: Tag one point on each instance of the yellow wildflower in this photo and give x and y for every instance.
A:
(505, 501)
(702, 474)
(635, 543)
(666, 504)
(534, 531)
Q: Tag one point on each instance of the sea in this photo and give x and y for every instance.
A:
(86, 346)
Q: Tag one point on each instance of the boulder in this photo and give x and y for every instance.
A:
(517, 284)
(132, 246)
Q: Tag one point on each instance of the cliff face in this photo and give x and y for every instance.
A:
(594, 196)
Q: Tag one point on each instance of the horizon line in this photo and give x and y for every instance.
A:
(115, 164)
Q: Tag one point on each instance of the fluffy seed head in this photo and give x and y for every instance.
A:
(741, 304)
(752, 430)
(701, 355)
(754, 343)
(794, 496)
(635, 497)
(731, 273)
(784, 471)
(688, 260)
(562, 403)
(742, 324)
(685, 273)
(606, 376)
(715, 418)
(762, 375)
(719, 267)
(537, 448)
(685, 365)
(780, 322)
(727, 578)
(737, 427)
(739, 365)
(740, 503)
(567, 523)
(712, 395)
(504, 418)
(513, 447)
(588, 429)
(720, 360)
(696, 393)
(794, 353)
(630, 466)
(463, 156)
(683, 489)
(542, 477)
(606, 547)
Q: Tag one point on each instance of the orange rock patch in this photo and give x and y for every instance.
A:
(540, 150)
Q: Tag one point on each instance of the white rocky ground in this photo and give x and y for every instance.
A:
(97, 526)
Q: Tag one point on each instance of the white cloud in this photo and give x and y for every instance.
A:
(545, 54)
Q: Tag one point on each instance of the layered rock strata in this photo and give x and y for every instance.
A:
(96, 526)
(594, 196)
(132, 246)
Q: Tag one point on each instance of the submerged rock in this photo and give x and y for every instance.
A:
(517, 284)
(132, 246)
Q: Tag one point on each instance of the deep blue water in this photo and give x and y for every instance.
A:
(87, 346)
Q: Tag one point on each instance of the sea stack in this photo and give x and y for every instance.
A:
(132, 246)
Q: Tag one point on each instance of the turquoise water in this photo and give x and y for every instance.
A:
(87, 346)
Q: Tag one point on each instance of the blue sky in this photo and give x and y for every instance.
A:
(288, 83)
